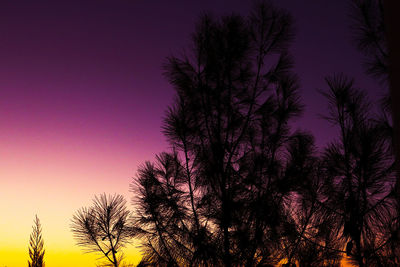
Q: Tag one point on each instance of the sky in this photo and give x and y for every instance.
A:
(82, 98)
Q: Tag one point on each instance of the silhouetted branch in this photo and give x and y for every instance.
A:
(104, 227)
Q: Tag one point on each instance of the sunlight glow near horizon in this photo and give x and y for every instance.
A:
(61, 257)
(53, 179)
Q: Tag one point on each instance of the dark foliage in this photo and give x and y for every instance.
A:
(359, 177)
(103, 228)
(369, 31)
(240, 187)
(36, 246)
(225, 195)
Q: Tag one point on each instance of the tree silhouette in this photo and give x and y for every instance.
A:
(310, 243)
(375, 36)
(36, 245)
(370, 36)
(371, 39)
(222, 196)
(240, 187)
(359, 177)
(161, 213)
(103, 228)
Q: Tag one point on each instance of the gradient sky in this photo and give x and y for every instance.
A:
(82, 98)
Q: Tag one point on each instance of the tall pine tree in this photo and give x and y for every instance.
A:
(221, 197)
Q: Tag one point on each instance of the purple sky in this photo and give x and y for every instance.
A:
(99, 62)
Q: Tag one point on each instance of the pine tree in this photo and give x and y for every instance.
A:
(220, 198)
(103, 228)
(36, 245)
(360, 179)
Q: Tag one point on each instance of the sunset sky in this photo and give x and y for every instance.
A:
(82, 98)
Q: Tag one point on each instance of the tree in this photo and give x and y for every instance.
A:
(103, 228)
(311, 241)
(376, 37)
(36, 246)
(370, 36)
(221, 197)
(358, 191)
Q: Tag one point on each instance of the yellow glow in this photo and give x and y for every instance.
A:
(60, 257)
